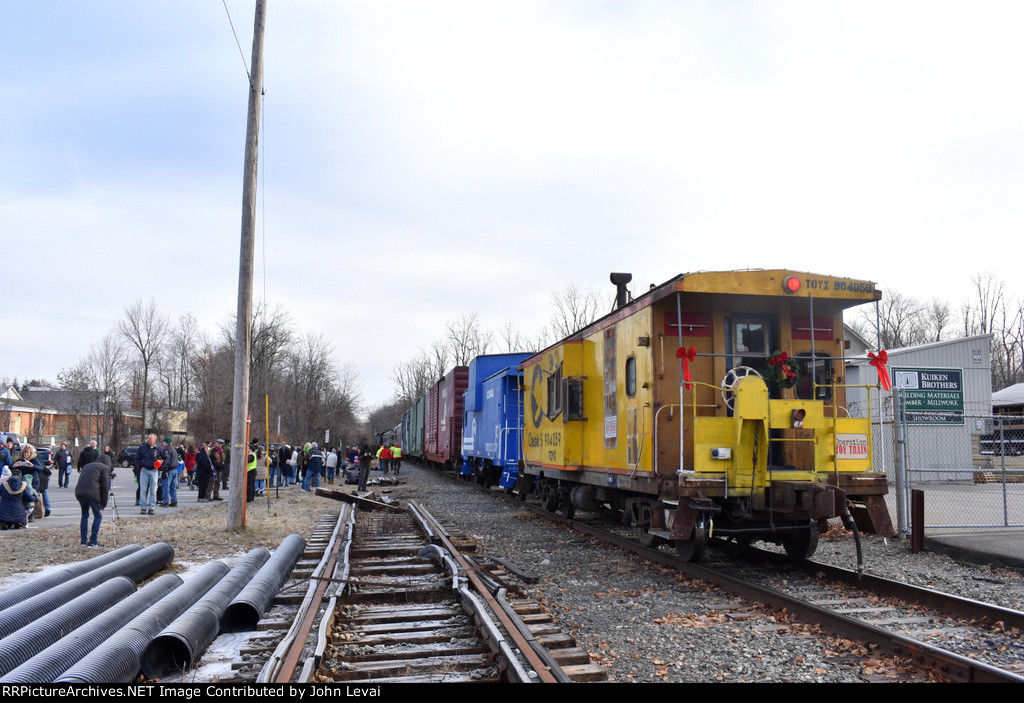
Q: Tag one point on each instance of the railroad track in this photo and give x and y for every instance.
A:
(945, 636)
(384, 597)
(925, 624)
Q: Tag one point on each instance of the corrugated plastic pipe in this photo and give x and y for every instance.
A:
(40, 634)
(63, 654)
(176, 648)
(137, 566)
(245, 611)
(118, 659)
(41, 584)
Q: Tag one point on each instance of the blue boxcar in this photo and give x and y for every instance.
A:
(492, 419)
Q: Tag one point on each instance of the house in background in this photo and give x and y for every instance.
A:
(49, 416)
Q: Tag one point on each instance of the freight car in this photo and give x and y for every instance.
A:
(413, 419)
(492, 420)
(712, 405)
(442, 423)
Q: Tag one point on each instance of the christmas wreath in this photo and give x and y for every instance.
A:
(779, 372)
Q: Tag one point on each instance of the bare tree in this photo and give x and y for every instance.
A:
(76, 383)
(144, 329)
(574, 310)
(512, 340)
(186, 340)
(412, 379)
(108, 358)
(466, 338)
(899, 321)
(320, 394)
(989, 292)
(439, 358)
(937, 318)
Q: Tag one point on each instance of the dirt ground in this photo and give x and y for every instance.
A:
(198, 534)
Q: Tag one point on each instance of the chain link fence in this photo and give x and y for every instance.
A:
(970, 465)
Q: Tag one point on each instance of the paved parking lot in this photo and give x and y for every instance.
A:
(65, 510)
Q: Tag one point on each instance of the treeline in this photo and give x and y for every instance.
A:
(464, 338)
(904, 321)
(150, 362)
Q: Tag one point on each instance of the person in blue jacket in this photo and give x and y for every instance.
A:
(16, 500)
(146, 459)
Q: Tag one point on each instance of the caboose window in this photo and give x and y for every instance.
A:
(573, 398)
(750, 340)
(555, 393)
(631, 376)
(820, 370)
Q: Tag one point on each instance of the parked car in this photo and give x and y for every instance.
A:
(45, 456)
(126, 457)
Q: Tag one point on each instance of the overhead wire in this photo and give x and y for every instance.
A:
(238, 43)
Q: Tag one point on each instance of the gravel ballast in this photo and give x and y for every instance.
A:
(641, 621)
(647, 623)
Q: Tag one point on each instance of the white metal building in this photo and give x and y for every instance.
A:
(947, 388)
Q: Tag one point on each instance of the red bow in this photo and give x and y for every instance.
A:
(687, 355)
(879, 361)
(782, 360)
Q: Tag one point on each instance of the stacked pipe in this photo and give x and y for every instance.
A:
(244, 612)
(39, 634)
(137, 566)
(176, 648)
(118, 659)
(49, 663)
(13, 596)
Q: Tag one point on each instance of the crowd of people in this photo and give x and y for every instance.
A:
(160, 467)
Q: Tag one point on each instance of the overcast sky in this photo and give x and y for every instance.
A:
(425, 160)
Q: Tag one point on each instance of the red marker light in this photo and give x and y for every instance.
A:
(798, 417)
(791, 284)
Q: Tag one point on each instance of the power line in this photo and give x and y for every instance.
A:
(237, 43)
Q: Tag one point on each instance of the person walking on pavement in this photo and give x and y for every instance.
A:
(396, 458)
(92, 492)
(63, 459)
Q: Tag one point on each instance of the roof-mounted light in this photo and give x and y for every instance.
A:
(791, 284)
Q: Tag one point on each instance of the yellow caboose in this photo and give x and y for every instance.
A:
(710, 405)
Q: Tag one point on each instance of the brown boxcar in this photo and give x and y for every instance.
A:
(443, 425)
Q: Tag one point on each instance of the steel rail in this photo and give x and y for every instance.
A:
(526, 647)
(956, 606)
(281, 666)
(953, 666)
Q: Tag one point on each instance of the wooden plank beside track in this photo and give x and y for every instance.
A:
(364, 503)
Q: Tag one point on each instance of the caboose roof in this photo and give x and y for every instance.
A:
(846, 292)
(768, 282)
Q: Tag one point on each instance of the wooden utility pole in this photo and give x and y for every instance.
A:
(243, 322)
